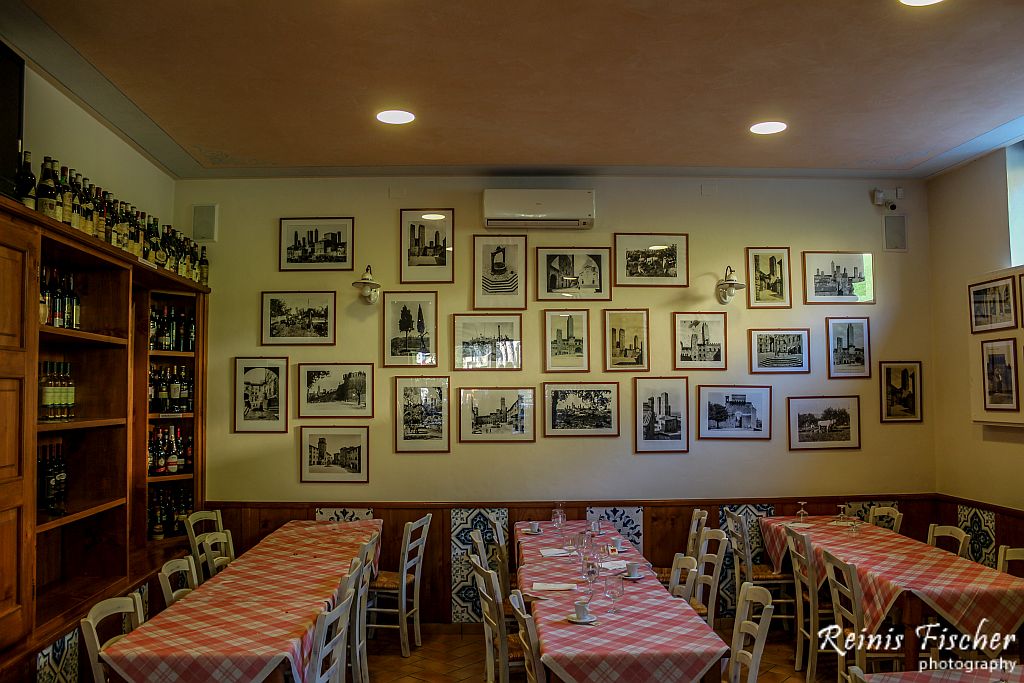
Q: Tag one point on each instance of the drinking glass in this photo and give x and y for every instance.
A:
(569, 543)
(842, 512)
(558, 519)
(591, 571)
(614, 588)
(802, 512)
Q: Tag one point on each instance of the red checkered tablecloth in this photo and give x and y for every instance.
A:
(257, 613)
(652, 637)
(947, 677)
(970, 596)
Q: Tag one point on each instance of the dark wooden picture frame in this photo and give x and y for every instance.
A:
(638, 425)
(282, 249)
(789, 424)
(867, 347)
(386, 342)
(1015, 385)
(303, 452)
(403, 249)
(548, 312)
(371, 394)
(532, 420)
(838, 299)
(607, 346)
(679, 238)
(803, 368)
(738, 388)
(675, 341)
(1012, 283)
(399, 417)
(884, 392)
(266, 330)
(752, 284)
(616, 411)
(456, 341)
(523, 274)
(606, 280)
(282, 396)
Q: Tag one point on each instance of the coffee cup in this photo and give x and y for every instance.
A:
(632, 569)
(534, 527)
(582, 610)
(618, 544)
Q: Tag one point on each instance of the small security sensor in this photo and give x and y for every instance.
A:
(878, 197)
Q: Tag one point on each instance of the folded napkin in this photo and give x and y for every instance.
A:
(554, 552)
(614, 564)
(838, 523)
(540, 586)
(799, 525)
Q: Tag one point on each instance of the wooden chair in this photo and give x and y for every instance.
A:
(848, 610)
(536, 672)
(501, 555)
(129, 606)
(749, 632)
(698, 520)
(961, 537)
(709, 573)
(195, 538)
(805, 583)
(361, 575)
(856, 674)
(1008, 555)
(504, 652)
(683, 577)
(330, 636)
(396, 585)
(219, 551)
(184, 565)
(878, 515)
(758, 574)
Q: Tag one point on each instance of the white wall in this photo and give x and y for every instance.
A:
(803, 214)
(1015, 191)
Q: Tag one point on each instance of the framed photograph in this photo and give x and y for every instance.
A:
(699, 341)
(838, 277)
(993, 305)
(261, 394)
(499, 272)
(335, 454)
(999, 373)
(781, 350)
(581, 409)
(626, 340)
(848, 348)
(410, 329)
(317, 243)
(734, 412)
(652, 260)
(768, 278)
(823, 422)
(662, 414)
(422, 415)
(566, 273)
(487, 341)
(336, 390)
(428, 245)
(901, 396)
(566, 340)
(497, 414)
(298, 318)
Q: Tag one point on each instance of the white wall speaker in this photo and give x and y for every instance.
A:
(204, 222)
(894, 233)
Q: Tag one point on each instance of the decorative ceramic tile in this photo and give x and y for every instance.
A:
(981, 525)
(58, 663)
(628, 521)
(727, 583)
(465, 601)
(343, 514)
(860, 509)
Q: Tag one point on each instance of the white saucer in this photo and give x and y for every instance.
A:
(627, 577)
(589, 620)
(533, 533)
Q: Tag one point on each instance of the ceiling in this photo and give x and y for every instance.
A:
(220, 88)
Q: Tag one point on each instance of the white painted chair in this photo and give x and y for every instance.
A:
(129, 606)
(211, 521)
(361, 575)
(504, 651)
(704, 601)
(327, 660)
(805, 582)
(683, 576)
(878, 514)
(397, 585)
(961, 537)
(758, 574)
(536, 672)
(1008, 555)
(185, 566)
(749, 632)
(501, 555)
(698, 520)
(856, 674)
(219, 551)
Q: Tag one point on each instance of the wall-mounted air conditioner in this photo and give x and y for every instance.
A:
(552, 209)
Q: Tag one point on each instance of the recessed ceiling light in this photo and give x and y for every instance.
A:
(920, 3)
(768, 127)
(433, 216)
(395, 116)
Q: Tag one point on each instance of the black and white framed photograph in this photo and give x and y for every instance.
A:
(298, 318)
(838, 277)
(409, 333)
(993, 305)
(781, 350)
(823, 422)
(336, 390)
(428, 245)
(422, 415)
(901, 390)
(334, 454)
(662, 414)
(652, 260)
(499, 272)
(626, 340)
(487, 341)
(567, 273)
(566, 340)
(317, 243)
(848, 346)
(699, 341)
(497, 414)
(581, 409)
(734, 412)
(768, 278)
(999, 374)
(261, 394)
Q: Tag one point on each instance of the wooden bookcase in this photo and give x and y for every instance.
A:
(54, 567)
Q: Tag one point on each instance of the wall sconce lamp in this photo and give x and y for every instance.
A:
(727, 286)
(369, 288)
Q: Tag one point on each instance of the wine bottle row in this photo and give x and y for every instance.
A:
(56, 392)
(168, 510)
(65, 196)
(59, 302)
(171, 389)
(170, 330)
(52, 479)
(169, 452)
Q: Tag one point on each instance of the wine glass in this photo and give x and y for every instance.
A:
(569, 543)
(841, 517)
(558, 519)
(591, 571)
(802, 512)
(614, 588)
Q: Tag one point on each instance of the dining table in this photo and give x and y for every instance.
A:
(651, 636)
(976, 676)
(255, 619)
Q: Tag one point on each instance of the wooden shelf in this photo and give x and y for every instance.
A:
(65, 336)
(73, 517)
(81, 423)
(172, 354)
(171, 416)
(168, 477)
(74, 596)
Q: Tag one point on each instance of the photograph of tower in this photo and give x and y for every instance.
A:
(661, 414)
(316, 243)
(838, 277)
(626, 340)
(849, 350)
(699, 341)
(496, 414)
(768, 277)
(428, 239)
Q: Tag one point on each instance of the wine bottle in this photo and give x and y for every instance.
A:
(76, 199)
(46, 191)
(74, 304)
(204, 269)
(65, 196)
(56, 302)
(88, 213)
(44, 297)
(69, 392)
(25, 182)
(174, 391)
(44, 391)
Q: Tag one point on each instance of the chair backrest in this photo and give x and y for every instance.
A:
(359, 580)
(500, 553)
(497, 530)
(714, 545)
(183, 565)
(739, 538)
(683, 577)
(330, 641)
(749, 632)
(219, 551)
(130, 605)
(698, 520)
(856, 674)
(1008, 555)
(535, 670)
(937, 531)
(495, 632)
(196, 538)
(805, 574)
(878, 515)
(847, 606)
(414, 541)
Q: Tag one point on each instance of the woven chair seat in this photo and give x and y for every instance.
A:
(389, 581)
(698, 607)
(515, 648)
(664, 574)
(763, 572)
